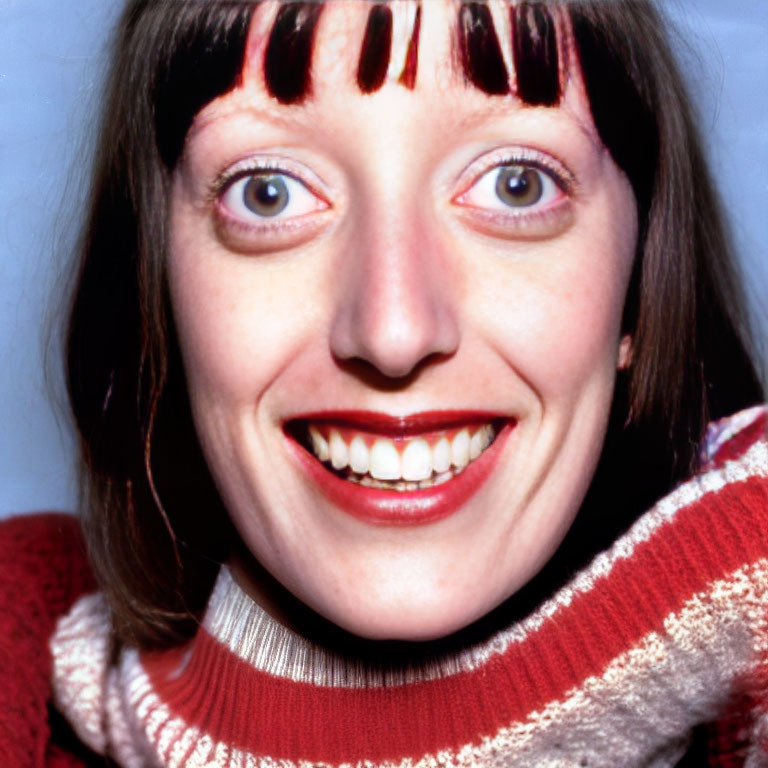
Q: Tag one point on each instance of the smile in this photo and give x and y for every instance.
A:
(400, 464)
(400, 471)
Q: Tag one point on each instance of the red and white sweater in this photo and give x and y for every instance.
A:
(666, 630)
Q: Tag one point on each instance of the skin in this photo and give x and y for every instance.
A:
(396, 290)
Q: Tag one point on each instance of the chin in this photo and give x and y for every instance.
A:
(416, 628)
(405, 619)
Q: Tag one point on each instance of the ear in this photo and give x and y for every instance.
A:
(625, 353)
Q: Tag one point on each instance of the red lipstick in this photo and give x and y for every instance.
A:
(389, 506)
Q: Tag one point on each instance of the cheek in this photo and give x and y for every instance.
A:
(239, 320)
(219, 341)
(558, 305)
(557, 333)
(580, 328)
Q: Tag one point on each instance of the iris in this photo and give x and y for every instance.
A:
(266, 195)
(518, 185)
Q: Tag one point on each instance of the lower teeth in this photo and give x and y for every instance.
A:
(402, 485)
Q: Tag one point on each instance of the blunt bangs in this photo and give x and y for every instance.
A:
(204, 55)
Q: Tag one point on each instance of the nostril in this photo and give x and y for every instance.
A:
(385, 372)
(376, 378)
(395, 343)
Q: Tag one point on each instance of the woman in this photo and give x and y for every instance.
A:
(426, 381)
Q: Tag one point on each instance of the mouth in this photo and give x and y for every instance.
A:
(398, 471)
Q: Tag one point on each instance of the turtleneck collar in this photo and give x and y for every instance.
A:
(615, 669)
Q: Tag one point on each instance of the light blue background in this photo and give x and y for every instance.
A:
(52, 57)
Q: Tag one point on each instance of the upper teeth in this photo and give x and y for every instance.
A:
(412, 460)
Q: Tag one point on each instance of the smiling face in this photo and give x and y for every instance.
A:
(399, 313)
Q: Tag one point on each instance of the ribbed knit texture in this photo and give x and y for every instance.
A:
(42, 572)
(666, 630)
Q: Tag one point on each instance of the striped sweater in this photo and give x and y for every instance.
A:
(665, 630)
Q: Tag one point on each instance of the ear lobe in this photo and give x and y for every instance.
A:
(625, 353)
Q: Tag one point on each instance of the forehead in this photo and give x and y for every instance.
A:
(466, 60)
(296, 50)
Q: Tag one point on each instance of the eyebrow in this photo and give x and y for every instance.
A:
(536, 79)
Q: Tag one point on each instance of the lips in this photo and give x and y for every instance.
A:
(398, 471)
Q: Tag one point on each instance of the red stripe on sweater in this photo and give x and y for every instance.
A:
(43, 570)
(264, 714)
(742, 441)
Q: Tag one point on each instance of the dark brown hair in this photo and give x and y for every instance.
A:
(155, 524)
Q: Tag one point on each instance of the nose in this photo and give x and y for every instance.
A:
(396, 304)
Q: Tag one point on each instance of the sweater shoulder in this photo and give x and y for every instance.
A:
(730, 438)
(46, 553)
(719, 516)
(43, 570)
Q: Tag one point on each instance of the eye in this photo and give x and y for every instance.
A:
(518, 186)
(265, 195)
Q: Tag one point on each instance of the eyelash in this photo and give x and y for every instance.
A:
(229, 179)
(526, 156)
(504, 220)
(535, 220)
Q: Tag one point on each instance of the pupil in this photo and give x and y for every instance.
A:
(519, 186)
(266, 195)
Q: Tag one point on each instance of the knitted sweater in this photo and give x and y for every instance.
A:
(665, 630)
(43, 570)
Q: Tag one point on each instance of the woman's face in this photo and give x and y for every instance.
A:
(415, 282)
